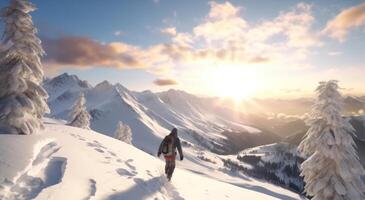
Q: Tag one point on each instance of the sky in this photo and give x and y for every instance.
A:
(237, 48)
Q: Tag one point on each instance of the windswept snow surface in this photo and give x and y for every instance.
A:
(63, 162)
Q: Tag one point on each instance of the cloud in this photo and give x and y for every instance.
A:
(85, 52)
(171, 31)
(118, 33)
(222, 11)
(222, 23)
(165, 82)
(339, 27)
(295, 25)
(183, 39)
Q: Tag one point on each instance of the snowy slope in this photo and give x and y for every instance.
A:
(150, 116)
(70, 163)
(277, 163)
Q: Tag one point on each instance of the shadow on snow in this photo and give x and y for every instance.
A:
(143, 189)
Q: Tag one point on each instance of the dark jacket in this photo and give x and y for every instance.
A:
(176, 144)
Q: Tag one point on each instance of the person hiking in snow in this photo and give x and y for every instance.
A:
(168, 149)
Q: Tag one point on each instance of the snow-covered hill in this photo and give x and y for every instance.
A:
(150, 116)
(63, 162)
(278, 163)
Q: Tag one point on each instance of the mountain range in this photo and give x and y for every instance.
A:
(201, 121)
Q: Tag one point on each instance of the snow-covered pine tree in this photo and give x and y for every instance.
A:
(332, 170)
(123, 133)
(79, 115)
(22, 98)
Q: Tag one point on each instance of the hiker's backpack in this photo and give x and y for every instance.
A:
(167, 147)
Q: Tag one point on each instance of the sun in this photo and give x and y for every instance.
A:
(233, 82)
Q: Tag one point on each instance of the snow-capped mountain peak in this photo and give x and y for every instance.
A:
(64, 83)
(103, 85)
(65, 78)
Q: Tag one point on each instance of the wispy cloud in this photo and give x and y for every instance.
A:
(347, 19)
(171, 31)
(118, 33)
(165, 82)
